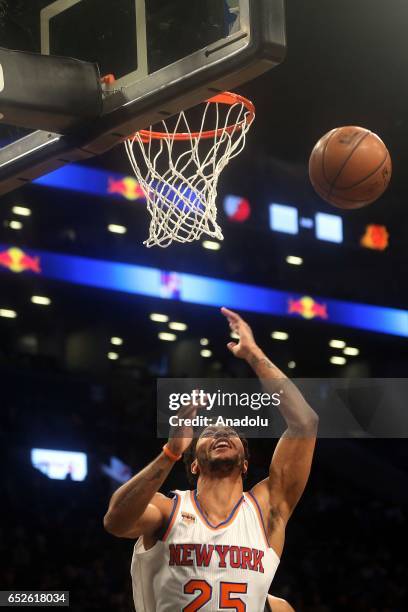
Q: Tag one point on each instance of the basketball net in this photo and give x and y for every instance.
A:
(178, 169)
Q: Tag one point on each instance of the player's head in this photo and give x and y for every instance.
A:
(217, 452)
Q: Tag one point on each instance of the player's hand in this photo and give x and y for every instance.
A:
(246, 344)
(181, 436)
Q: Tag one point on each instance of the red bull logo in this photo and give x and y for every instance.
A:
(308, 308)
(376, 237)
(127, 187)
(17, 261)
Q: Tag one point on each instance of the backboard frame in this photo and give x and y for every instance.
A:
(60, 6)
(259, 46)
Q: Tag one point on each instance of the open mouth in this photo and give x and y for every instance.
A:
(221, 443)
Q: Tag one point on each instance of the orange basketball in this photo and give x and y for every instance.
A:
(350, 167)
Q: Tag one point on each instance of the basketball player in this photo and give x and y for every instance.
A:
(216, 548)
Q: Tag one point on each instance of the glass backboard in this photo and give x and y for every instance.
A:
(165, 55)
(127, 38)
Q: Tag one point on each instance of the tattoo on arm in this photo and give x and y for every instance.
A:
(255, 361)
(132, 494)
(156, 476)
(140, 486)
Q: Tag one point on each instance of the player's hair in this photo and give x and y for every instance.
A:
(190, 455)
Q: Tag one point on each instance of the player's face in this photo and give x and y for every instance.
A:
(219, 440)
(219, 449)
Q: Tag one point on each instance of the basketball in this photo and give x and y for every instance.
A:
(350, 167)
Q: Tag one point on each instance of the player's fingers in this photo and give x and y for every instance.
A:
(231, 346)
(231, 315)
(187, 411)
(202, 400)
(234, 326)
(193, 413)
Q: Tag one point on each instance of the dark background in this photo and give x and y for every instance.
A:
(346, 65)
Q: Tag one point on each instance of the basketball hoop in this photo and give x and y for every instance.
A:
(178, 169)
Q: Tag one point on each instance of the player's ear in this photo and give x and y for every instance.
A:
(244, 467)
(194, 467)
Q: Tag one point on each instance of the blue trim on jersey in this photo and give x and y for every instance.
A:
(261, 515)
(223, 522)
(166, 526)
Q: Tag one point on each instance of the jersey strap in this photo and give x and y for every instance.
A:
(172, 517)
(254, 501)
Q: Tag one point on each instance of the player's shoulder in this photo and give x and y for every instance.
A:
(170, 499)
(171, 495)
(276, 604)
(177, 494)
(167, 504)
(163, 502)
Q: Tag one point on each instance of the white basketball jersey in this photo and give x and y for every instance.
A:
(199, 566)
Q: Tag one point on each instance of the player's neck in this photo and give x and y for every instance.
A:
(218, 497)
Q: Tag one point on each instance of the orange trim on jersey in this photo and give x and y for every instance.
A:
(174, 512)
(255, 504)
(207, 523)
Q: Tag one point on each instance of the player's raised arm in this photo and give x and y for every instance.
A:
(291, 462)
(137, 508)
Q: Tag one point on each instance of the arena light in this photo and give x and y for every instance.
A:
(22, 211)
(117, 341)
(206, 353)
(306, 223)
(204, 342)
(338, 360)
(41, 300)
(113, 356)
(279, 335)
(337, 344)
(166, 337)
(16, 225)
(117, 229)
(292, 260)
(329, 228)
(178, 326)
(159, 318)
(7, 314)
(210, 245)
(60, 465)
(351, 351)
(292, 365)
(284, 219)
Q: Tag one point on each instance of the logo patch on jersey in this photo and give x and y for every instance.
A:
(188, 518)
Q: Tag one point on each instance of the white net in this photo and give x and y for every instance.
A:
(179, 169)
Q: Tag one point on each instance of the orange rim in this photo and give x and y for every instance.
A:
(227, 98)
(108, 79)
